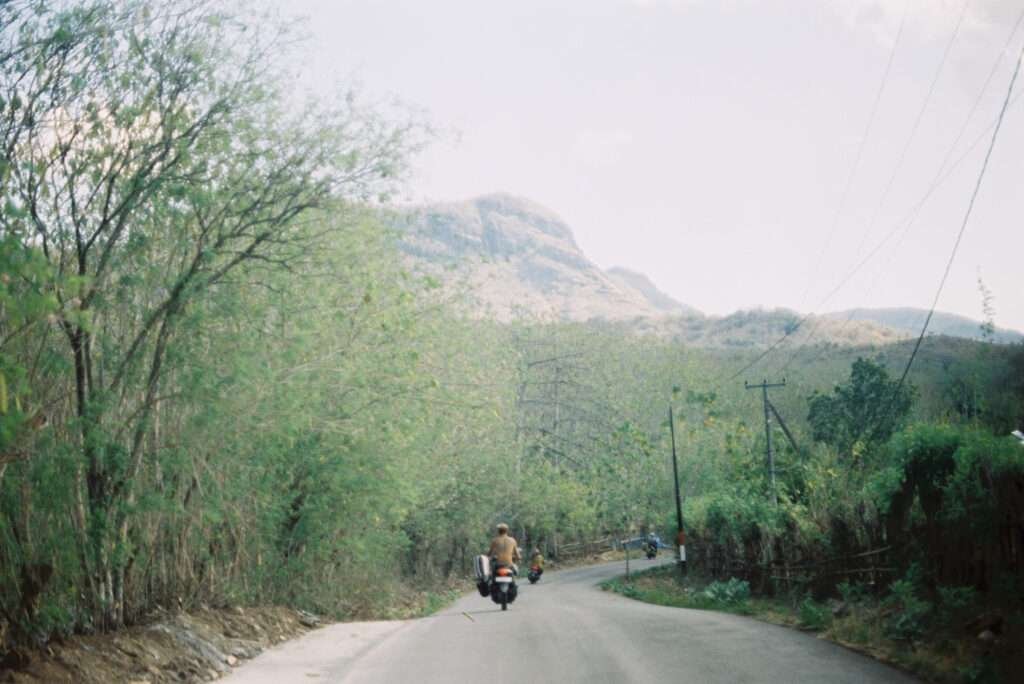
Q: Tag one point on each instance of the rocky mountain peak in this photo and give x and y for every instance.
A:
(519, 258)
(504, 210)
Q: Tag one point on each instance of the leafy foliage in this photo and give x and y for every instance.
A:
(861, 414)
(910, 611)
(221, 383)
(729, 592)
(814, 615)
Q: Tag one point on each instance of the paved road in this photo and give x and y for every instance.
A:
(564, 629)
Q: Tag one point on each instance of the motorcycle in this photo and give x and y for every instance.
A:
(652, 550)
(535, 572)
(503, 588)
(500, 584)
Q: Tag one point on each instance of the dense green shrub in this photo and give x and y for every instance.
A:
(909, 612)
(731, 592)
(852, 592)
(814, 615)
(955, 602)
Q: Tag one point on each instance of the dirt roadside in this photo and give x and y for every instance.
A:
(198, 646)
(175, 647)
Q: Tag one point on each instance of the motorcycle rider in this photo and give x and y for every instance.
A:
(652, 543)
(537, 561)
(504, 549)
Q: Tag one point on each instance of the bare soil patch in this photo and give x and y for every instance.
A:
(200, 646)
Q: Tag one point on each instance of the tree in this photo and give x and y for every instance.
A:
(988, 310)
(146, 156)
(861, 414)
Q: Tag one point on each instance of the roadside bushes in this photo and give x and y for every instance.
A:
(734, 525)
(731, 592)
(909, 612)
(947, 498)
(953, 500)
(813, 615)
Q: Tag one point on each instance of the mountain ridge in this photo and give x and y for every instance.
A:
(518, 259)
(910, 320)
(640, 282)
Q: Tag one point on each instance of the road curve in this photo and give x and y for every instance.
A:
(564, 629)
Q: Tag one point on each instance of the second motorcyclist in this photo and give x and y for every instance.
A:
(537, 561)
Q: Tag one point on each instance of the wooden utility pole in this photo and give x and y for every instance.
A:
(764, 386)
(680, 536)
(625, 546)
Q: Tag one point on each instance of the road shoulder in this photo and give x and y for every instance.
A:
(323, 654)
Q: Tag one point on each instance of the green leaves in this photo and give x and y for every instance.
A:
(728, 593)
(861, 414)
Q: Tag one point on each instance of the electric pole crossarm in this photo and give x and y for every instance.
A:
(764, 385)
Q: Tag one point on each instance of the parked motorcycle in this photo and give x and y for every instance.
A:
(535, 572)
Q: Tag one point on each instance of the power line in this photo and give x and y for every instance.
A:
(970, 117)
(775, 345)
(843, 198)
(869, 229)
(911, 217)
(963, 225)
(939, 179)
(960, 233)
(984, 87)
(956, 245)
(905, 225)
(915, 127)
(860, 153)
(941, 176)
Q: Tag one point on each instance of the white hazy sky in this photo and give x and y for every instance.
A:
(708, 143)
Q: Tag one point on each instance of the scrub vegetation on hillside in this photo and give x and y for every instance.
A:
(222, 384)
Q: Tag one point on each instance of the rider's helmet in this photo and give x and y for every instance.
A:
(502, 528)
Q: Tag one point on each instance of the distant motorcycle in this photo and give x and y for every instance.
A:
(652, 550)
(535, 572)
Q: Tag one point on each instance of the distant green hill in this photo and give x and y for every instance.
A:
(910, 320)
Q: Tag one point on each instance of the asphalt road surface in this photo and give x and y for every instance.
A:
(564, 629)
